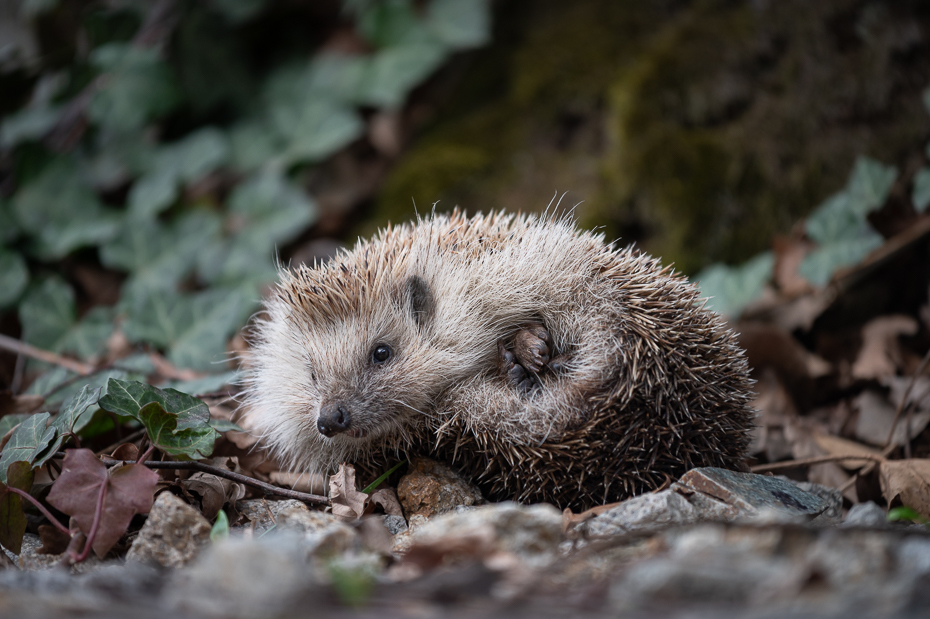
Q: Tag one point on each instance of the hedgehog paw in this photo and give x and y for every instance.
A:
(531, 347)
(516, 374)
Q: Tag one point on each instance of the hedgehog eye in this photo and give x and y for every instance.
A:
(381, 353)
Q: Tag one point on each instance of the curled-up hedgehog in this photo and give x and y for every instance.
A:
(542, 362)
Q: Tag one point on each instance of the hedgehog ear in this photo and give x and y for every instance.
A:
(422, 305)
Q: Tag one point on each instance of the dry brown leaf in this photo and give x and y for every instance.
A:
(770, 346)
(347, 501)
(387, 499)
(570, 519)
(836, 446)
(909, 480)
(313, 483)
(126, 451)
(876, 416)
(789, 254)
(880, 354)
(775, 408)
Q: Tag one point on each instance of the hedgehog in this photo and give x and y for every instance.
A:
(537, 359)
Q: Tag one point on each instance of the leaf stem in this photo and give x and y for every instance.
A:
(96, 524)
(41, 508)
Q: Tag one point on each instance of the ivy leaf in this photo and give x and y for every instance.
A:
(128, 398)
(28, 124)
(460, 23)
(62, 213)
(392, 23)
(49, 320)
(819, 266)
(14, 275)
(12, 517)
(314, 130)
(730, 289)
(393, 72)
(28, 440)
(921, 195)
(163, 430)
(193, 328)
(268, 211)
(137, 87)
(188, 160)
(9, 228)
(869, 185)
(8, 422)
(85, 482)
(159, 256)
(68, 417)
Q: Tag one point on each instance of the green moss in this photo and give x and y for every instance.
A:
(698, 130)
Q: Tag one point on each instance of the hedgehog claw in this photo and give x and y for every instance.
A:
(531, 347)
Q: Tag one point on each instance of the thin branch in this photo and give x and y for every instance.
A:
(313, 499)
(41, 508)
(790, 464)
(22, 348)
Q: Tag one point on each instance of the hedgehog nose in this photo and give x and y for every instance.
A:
(333, 419)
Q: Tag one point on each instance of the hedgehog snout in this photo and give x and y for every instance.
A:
(334, 419)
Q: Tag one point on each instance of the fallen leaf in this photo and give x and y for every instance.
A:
(54, 542)
(12, 517)
(771, 346)
(570, 520)
(789, 254)
(387, 499)
(126, 451)
(84, 482)
(215, 491)
(837, 446)
(876, 415)
(909, 480)
(347, 501)
(880, 353)
(314, 483)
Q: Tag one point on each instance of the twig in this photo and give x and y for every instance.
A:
(41, 508)
(313, 499)
(790, 464)
(22, 348)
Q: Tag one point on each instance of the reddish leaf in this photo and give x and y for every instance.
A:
(54, 542)
(84, 481)
(12, 517)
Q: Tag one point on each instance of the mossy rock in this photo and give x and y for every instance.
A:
(697, 129)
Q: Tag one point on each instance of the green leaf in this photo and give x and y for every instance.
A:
(188, 160)
(252, 143)
(194, 328)
(14, 275)
(314, 130)
(921, 195)
(136, 87)
(12, 517)
(393, 72)
(220, 529)
(223, 425)
(47, 313)
(730, 289)
(268, 211)
(460, 23)
(207, 384)
(8, 422)
(819, 266)
(69, 417)
(128, 398)
(238, 11)
(391, 23)
(28, 440)
(835, 220)
(373, 485)
(869, 185)
(31, 123)
(163, 431)
(48, 316)
(62, 213)
(159, 256)
(898, 514)
(9, 228)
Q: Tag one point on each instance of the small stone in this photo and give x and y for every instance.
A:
(395, 524)
(324, 535)
(264, 513)
(430, 488)
(172, 535)
(531, 533)
(867, 514)
(30, 559)
(831, 496)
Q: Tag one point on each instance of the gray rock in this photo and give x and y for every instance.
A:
(831, 496)
(867, 514)
(172, 535)
(395, 524)
(264, 513)
(531, 533)
(708, 494)
(322, 534)
(243, 578)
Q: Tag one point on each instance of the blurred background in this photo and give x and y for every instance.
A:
(156, 157)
